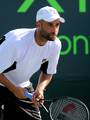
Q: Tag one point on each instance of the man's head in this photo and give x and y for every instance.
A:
(48, 21)
(48, 14)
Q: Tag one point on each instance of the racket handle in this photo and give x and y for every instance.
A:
(28, 95)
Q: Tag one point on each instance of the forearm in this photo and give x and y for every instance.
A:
(7, 83)
(43, 81)
(17, 91)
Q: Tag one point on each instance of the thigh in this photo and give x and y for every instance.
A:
(12, 109)
(7, 100)
(27, 110)
(16, 114)
(2, 95)
(24, 116)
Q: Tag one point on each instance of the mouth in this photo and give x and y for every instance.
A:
(52, 36)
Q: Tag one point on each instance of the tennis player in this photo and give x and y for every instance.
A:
(22, 53)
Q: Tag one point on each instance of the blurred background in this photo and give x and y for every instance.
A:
(73, 72)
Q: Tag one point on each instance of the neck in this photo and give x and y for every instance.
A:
(39, 40)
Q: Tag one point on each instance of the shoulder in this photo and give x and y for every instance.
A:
(19, 33)
(19, 36)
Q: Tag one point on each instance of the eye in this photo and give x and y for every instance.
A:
(58, 24)
(50, 24)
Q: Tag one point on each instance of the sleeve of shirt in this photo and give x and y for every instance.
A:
(53, 59)
(7, 52)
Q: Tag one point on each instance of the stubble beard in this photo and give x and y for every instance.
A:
(47, 36)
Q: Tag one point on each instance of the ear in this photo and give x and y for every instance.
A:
(38, 24)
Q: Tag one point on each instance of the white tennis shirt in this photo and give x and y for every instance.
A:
(19, 46)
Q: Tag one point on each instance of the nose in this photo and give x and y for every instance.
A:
(54, 30)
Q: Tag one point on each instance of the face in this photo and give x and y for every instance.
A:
(49, 30)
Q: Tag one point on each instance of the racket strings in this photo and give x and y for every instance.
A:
(55, 108)
(68, 108)
(81, 112)
(78, 112)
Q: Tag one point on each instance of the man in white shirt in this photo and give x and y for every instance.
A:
(22, 53)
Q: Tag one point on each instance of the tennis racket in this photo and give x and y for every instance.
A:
(66, 108)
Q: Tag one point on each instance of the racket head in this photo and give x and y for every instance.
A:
(68, 108)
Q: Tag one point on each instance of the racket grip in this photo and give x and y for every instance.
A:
(28, 95)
